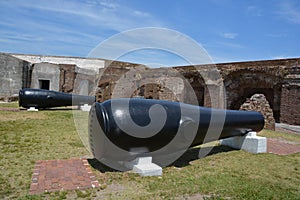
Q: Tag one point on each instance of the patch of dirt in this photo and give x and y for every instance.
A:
(21, 115)
(192, 197)
(10, 109)
(199, 197)
(112, 190)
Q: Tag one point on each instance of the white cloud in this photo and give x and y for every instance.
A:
(109, 5)
(63, 24)
(155, 39)
(284, 56)
(141, 14)
(290, 11)
(229, 35)
(230, 45)
(278, 57)
(254, 11)
(105, 14)
(277, 35)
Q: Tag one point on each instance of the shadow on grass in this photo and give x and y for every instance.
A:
(193, 154)
(190, 155)
(100, 166)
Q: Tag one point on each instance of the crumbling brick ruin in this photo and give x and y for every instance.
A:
(225, 85)
(277, 80)
(259, 103)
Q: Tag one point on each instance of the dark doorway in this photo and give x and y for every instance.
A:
(44, 84)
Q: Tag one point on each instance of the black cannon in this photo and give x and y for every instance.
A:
(123, 129)
(39, 98)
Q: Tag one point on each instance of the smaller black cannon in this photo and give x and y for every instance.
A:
(39, 98)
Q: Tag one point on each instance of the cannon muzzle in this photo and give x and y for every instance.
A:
(39, 98)
(123, 129)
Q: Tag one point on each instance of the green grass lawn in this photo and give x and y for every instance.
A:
(26, 137)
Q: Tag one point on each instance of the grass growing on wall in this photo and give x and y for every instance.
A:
(26, 137)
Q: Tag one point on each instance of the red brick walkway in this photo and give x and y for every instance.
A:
(55, 175)
(281, 148)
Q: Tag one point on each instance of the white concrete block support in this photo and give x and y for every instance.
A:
(85, 108)
(145, 167)
(32, 109)
(250, 143)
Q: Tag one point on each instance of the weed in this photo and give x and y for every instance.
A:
(83, 193)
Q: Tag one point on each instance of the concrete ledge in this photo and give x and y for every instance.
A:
(288, 127)
(250, 143)
(145, 167)
(32, 109)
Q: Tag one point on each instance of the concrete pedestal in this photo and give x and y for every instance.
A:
(145, 167)
(85, 108)
(32, 109)
(250, 143)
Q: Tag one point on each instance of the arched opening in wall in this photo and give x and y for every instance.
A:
(242, 84)
(154, 91)
(199, 88)
(199, 92)
(249, 92)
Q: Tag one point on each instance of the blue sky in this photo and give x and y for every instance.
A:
(229, 30)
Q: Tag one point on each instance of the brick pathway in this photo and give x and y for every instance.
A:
(286, 130)
(281, 148)
(55, 175)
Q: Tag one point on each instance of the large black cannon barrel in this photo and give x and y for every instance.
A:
(126, 125)
(40, 98)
